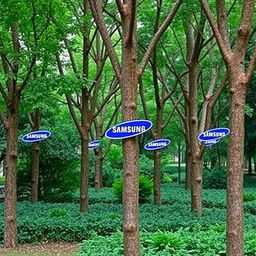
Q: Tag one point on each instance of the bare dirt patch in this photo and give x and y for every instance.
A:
(42, 249)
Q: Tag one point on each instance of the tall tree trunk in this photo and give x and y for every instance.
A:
(250, 164)
(157, 177)
(98, 169)
(10, 234)
(128, 86)
(235, 167)
(188, 166)
(35, 160)
(254, 163)
(179, 162)
(84, 204)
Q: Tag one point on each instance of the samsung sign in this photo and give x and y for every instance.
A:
(214, 134)
(128, 129)
(36, 136)
(94, 144)
(157, 144)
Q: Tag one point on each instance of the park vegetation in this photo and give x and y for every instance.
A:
(78, 67)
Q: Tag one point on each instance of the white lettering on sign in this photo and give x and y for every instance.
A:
(210, 141)
(129, 129)
(36, 136)
(94, 144)
(157, 144)
(214, 134)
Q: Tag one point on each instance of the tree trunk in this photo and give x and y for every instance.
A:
(250, 164)
(179, 162)
(196, 190)
(84, 204)
(188, 167)
(98, 169)
(35, 172)
(128, 86)
(157, 177)
(35, 160)
(10, 234)
(235, 167)
(254, 163)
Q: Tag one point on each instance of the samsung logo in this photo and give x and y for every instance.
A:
(157, 144)
(128, 129)
(36, 136)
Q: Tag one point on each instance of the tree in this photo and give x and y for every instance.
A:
(239, 77)
(128, 75)
(22, 43)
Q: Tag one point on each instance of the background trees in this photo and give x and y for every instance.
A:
(88, 61)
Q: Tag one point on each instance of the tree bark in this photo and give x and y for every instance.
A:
(250, 164)
(35, 160)
(98, 169)
(84, 201)
(157, 177)
(128, 85)
(235, 167)
(179, 162)
(10, 234)
(188, 167)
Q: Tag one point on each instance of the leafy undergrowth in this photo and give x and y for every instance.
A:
(180, 243)
(64, 222)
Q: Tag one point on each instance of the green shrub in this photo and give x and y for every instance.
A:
(145, 188)
(59, 197)
(215, 178)
(58, 212)
(161, 240)
(110, 175)
(249, 196)
(166, 178)
(146, 166)
(115, 156)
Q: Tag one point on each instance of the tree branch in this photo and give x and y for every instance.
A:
(3, 119)
(98, 17)
(252, 65)
(132, 10)
(157, 36)
(224, 49)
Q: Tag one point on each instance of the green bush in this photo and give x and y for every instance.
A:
(59, 197)
(249, 196)
(110, 175)
(180, 243)
(146, 166)
(64, 222)
(58, 212)
(145, 189)
(166, 178)
(215, 178)
(161, 240)
(115, 156)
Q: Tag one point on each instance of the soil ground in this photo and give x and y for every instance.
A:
(43, 249)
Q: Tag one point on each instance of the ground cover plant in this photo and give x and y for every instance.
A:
(64, 222)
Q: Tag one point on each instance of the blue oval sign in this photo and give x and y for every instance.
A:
(36, 136)
(128, 129)
(213, 134)
(157, 144)
(209, 143)
(94, 144)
